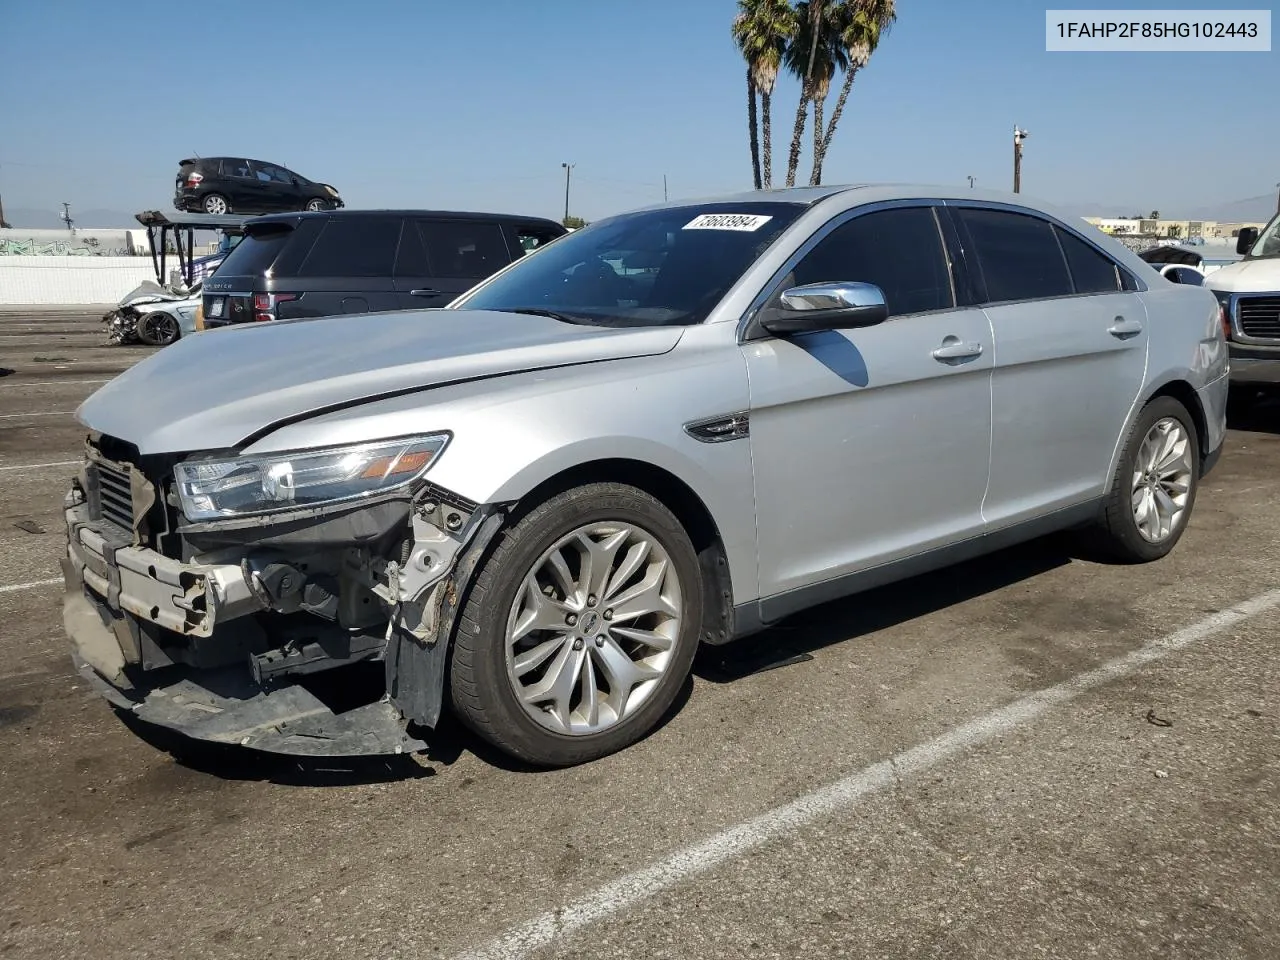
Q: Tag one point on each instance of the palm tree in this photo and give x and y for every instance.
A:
(814, 55)
(865, 22)
(761, 30)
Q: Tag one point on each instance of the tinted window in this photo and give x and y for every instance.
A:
(273, 174)
(653, 267)
(236, 167)
(1091, 272)
(1018, 255)
(411, 261)
(255, 253)
(533, 237)
(354, 247)
(461, 248)
(900, 251)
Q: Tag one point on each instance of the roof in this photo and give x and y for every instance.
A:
(358, 212)
(868, 193)
(207, 221)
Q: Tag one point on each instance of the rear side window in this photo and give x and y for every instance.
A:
(354, 247)
(1018, 255)
(468, 249)
(1091, 272)
(900, 251)
(236, 167)
(256, 252)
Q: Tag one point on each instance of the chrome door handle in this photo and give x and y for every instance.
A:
(953, 349)
(427, 292)
(1123, 329)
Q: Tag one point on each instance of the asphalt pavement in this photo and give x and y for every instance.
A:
(1032, 755)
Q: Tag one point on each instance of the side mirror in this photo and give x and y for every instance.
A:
(1247, 238)
(827, 306)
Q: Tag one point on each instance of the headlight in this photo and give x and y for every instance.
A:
(332, 192)
(210, 489)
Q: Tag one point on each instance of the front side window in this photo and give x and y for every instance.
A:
(1017, 255)
(900, 251)
(354, 247)
(664, 267)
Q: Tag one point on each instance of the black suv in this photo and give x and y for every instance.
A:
(221, 185)
(363, 261)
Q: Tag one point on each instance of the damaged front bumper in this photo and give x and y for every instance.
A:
(182, 645)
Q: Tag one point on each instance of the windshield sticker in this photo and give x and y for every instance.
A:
(727, 221)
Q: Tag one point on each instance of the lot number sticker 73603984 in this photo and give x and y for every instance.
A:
(727, 221)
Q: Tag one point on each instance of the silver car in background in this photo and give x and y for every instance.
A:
(673, 427)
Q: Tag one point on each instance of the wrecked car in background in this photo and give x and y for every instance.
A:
(671, 427)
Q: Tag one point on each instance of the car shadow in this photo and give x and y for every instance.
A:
(794, 640)
(797, 638)
(1260, 416)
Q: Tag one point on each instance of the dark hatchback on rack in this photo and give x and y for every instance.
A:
(222, 185)
(363, 261)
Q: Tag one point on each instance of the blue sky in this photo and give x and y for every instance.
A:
(476, 105)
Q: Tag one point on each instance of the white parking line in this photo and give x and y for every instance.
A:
(634, 888)
(38, 466)
(13, 587)
(43, 413)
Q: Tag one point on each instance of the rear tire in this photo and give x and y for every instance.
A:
(215, 204)
(599, 587)
(1154, 488)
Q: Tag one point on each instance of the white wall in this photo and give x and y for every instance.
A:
(70, 280)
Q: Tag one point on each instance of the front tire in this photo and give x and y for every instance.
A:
(580, 628)
(315, 205)
(1154, 489)
(158, 329)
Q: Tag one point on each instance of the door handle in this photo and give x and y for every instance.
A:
(953, 349)
(1122, 329)
(424, 292)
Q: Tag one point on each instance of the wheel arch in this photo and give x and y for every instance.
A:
(681, 499)
(1182, 391)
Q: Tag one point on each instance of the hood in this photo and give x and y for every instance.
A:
(1247, 276)
(216, 389)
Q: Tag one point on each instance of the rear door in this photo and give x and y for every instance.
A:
(459, 254)
(1071, 353)
(241, 186)
(348, 269)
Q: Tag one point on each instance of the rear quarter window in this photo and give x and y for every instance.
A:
(256, 252)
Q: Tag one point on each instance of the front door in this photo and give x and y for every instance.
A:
(870, 445)
(1071, 354)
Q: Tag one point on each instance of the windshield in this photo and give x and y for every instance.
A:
(665, 267)
(1268, 242)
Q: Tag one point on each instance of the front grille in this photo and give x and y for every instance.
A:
(115, 496)
(1259, 317)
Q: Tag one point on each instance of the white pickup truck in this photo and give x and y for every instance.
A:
(1249, 292)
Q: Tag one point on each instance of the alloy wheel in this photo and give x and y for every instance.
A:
(592, 628)
(1162, 473)
(215, 205)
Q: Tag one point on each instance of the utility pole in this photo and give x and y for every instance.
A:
(1018, 137)
(664, 188)
(1277, 199)
(971, 179)
(567, 168)
(66, 217)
